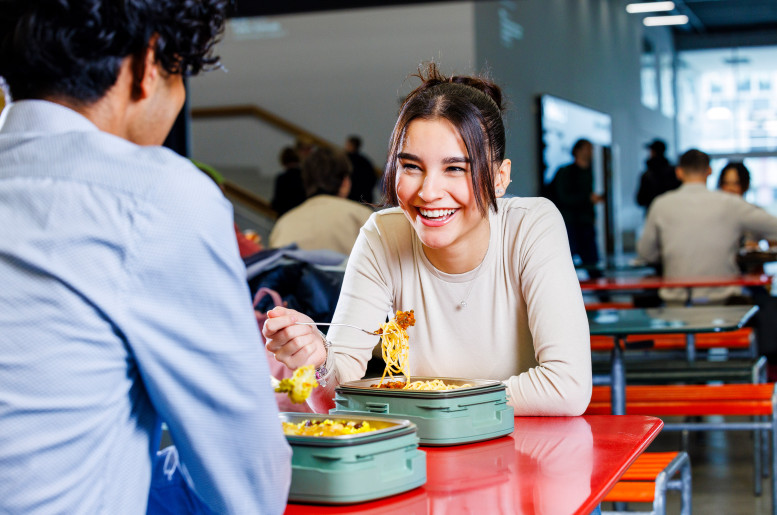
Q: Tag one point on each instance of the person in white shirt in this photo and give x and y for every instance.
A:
(695, 232)
(490, 279)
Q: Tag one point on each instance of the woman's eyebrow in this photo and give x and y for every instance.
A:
(458, 159)
(446, 160)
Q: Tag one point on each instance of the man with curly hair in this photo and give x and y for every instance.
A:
(123, 301)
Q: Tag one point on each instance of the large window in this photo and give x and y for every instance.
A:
(726, 100)
(727, 107)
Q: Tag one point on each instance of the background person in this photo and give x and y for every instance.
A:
(327, 219)
(363, 178)
(734, 178)
(695, 232)
(573, 193)
(124, 300)
(489, 278)
(659, 175)
(288, 191)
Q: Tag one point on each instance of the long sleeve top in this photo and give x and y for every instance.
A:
(524, 322)
(123, 302)
(695, 232)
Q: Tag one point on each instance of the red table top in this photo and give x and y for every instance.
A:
(648, 283)
(549, 465)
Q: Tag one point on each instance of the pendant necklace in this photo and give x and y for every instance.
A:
(462, 304)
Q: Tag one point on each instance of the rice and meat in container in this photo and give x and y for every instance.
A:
(357, 467)
(444, 417)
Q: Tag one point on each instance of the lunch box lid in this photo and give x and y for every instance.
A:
(479, 386)
(386, 428)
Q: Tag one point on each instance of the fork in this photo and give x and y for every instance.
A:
(373, 333)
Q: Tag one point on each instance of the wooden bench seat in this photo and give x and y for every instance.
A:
(648, 479)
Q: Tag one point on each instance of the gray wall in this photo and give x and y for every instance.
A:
(584, 51)
(344, 72)
(334, 74)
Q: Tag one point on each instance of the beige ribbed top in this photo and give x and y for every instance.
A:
(524, 323)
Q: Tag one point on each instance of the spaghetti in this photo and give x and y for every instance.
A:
(434, 384)
(394, 344)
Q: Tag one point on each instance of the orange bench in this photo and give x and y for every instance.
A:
(739, 339)
(648, 479)
(757, 401)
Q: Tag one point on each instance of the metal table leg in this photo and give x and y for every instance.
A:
(618, 384)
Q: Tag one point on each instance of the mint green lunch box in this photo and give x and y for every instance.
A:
(354, 468)
(448, 417)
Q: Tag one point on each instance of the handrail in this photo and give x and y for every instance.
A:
(237, 193)
(262, 114)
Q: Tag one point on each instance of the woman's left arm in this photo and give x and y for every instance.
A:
(561, 383)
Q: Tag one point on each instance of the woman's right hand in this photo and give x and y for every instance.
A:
(293, 345)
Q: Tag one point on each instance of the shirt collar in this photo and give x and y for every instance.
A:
(43, 116)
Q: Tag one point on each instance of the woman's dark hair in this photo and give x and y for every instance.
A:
(474, 106)
(742, 172)
(324, 171)
(74, 48)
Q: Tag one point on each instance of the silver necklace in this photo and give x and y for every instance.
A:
(462, 304)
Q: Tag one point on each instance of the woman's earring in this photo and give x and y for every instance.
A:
(499, 191)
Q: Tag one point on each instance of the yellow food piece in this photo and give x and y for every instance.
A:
(299, 385)
(326, 427)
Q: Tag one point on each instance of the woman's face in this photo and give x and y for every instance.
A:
(730, 182)
(434, 188)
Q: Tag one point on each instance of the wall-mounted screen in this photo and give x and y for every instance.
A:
(561, 124)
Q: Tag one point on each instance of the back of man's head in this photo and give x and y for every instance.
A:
(74, 48)
(324, 171)
(288, 157)
(694, 162)
(579, 145)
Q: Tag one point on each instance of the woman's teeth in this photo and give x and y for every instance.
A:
(436, 213)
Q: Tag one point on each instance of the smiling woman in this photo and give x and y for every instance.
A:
(451, 236)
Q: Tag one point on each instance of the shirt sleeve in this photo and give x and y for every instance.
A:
(756, 220)
(648, 247)
(196, 344)
(561, 383)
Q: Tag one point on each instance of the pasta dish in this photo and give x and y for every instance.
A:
(394, 344)
(434, 384)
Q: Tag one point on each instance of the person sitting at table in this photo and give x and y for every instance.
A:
(695, 232)
(491, 279)
(327, 219)
(123, 301)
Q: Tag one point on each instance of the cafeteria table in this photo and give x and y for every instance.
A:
(642, 283)
(547, 465)
(619, 323)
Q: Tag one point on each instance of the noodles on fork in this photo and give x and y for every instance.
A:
(394, 344)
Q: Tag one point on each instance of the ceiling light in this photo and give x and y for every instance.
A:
(653, 21)
(649, 7)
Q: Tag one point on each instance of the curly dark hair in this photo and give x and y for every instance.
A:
(474, 106)
(74, 48)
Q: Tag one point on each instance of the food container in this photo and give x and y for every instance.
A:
(354, 468)
(450, 417)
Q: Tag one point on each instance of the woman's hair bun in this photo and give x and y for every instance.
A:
(431, 76)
